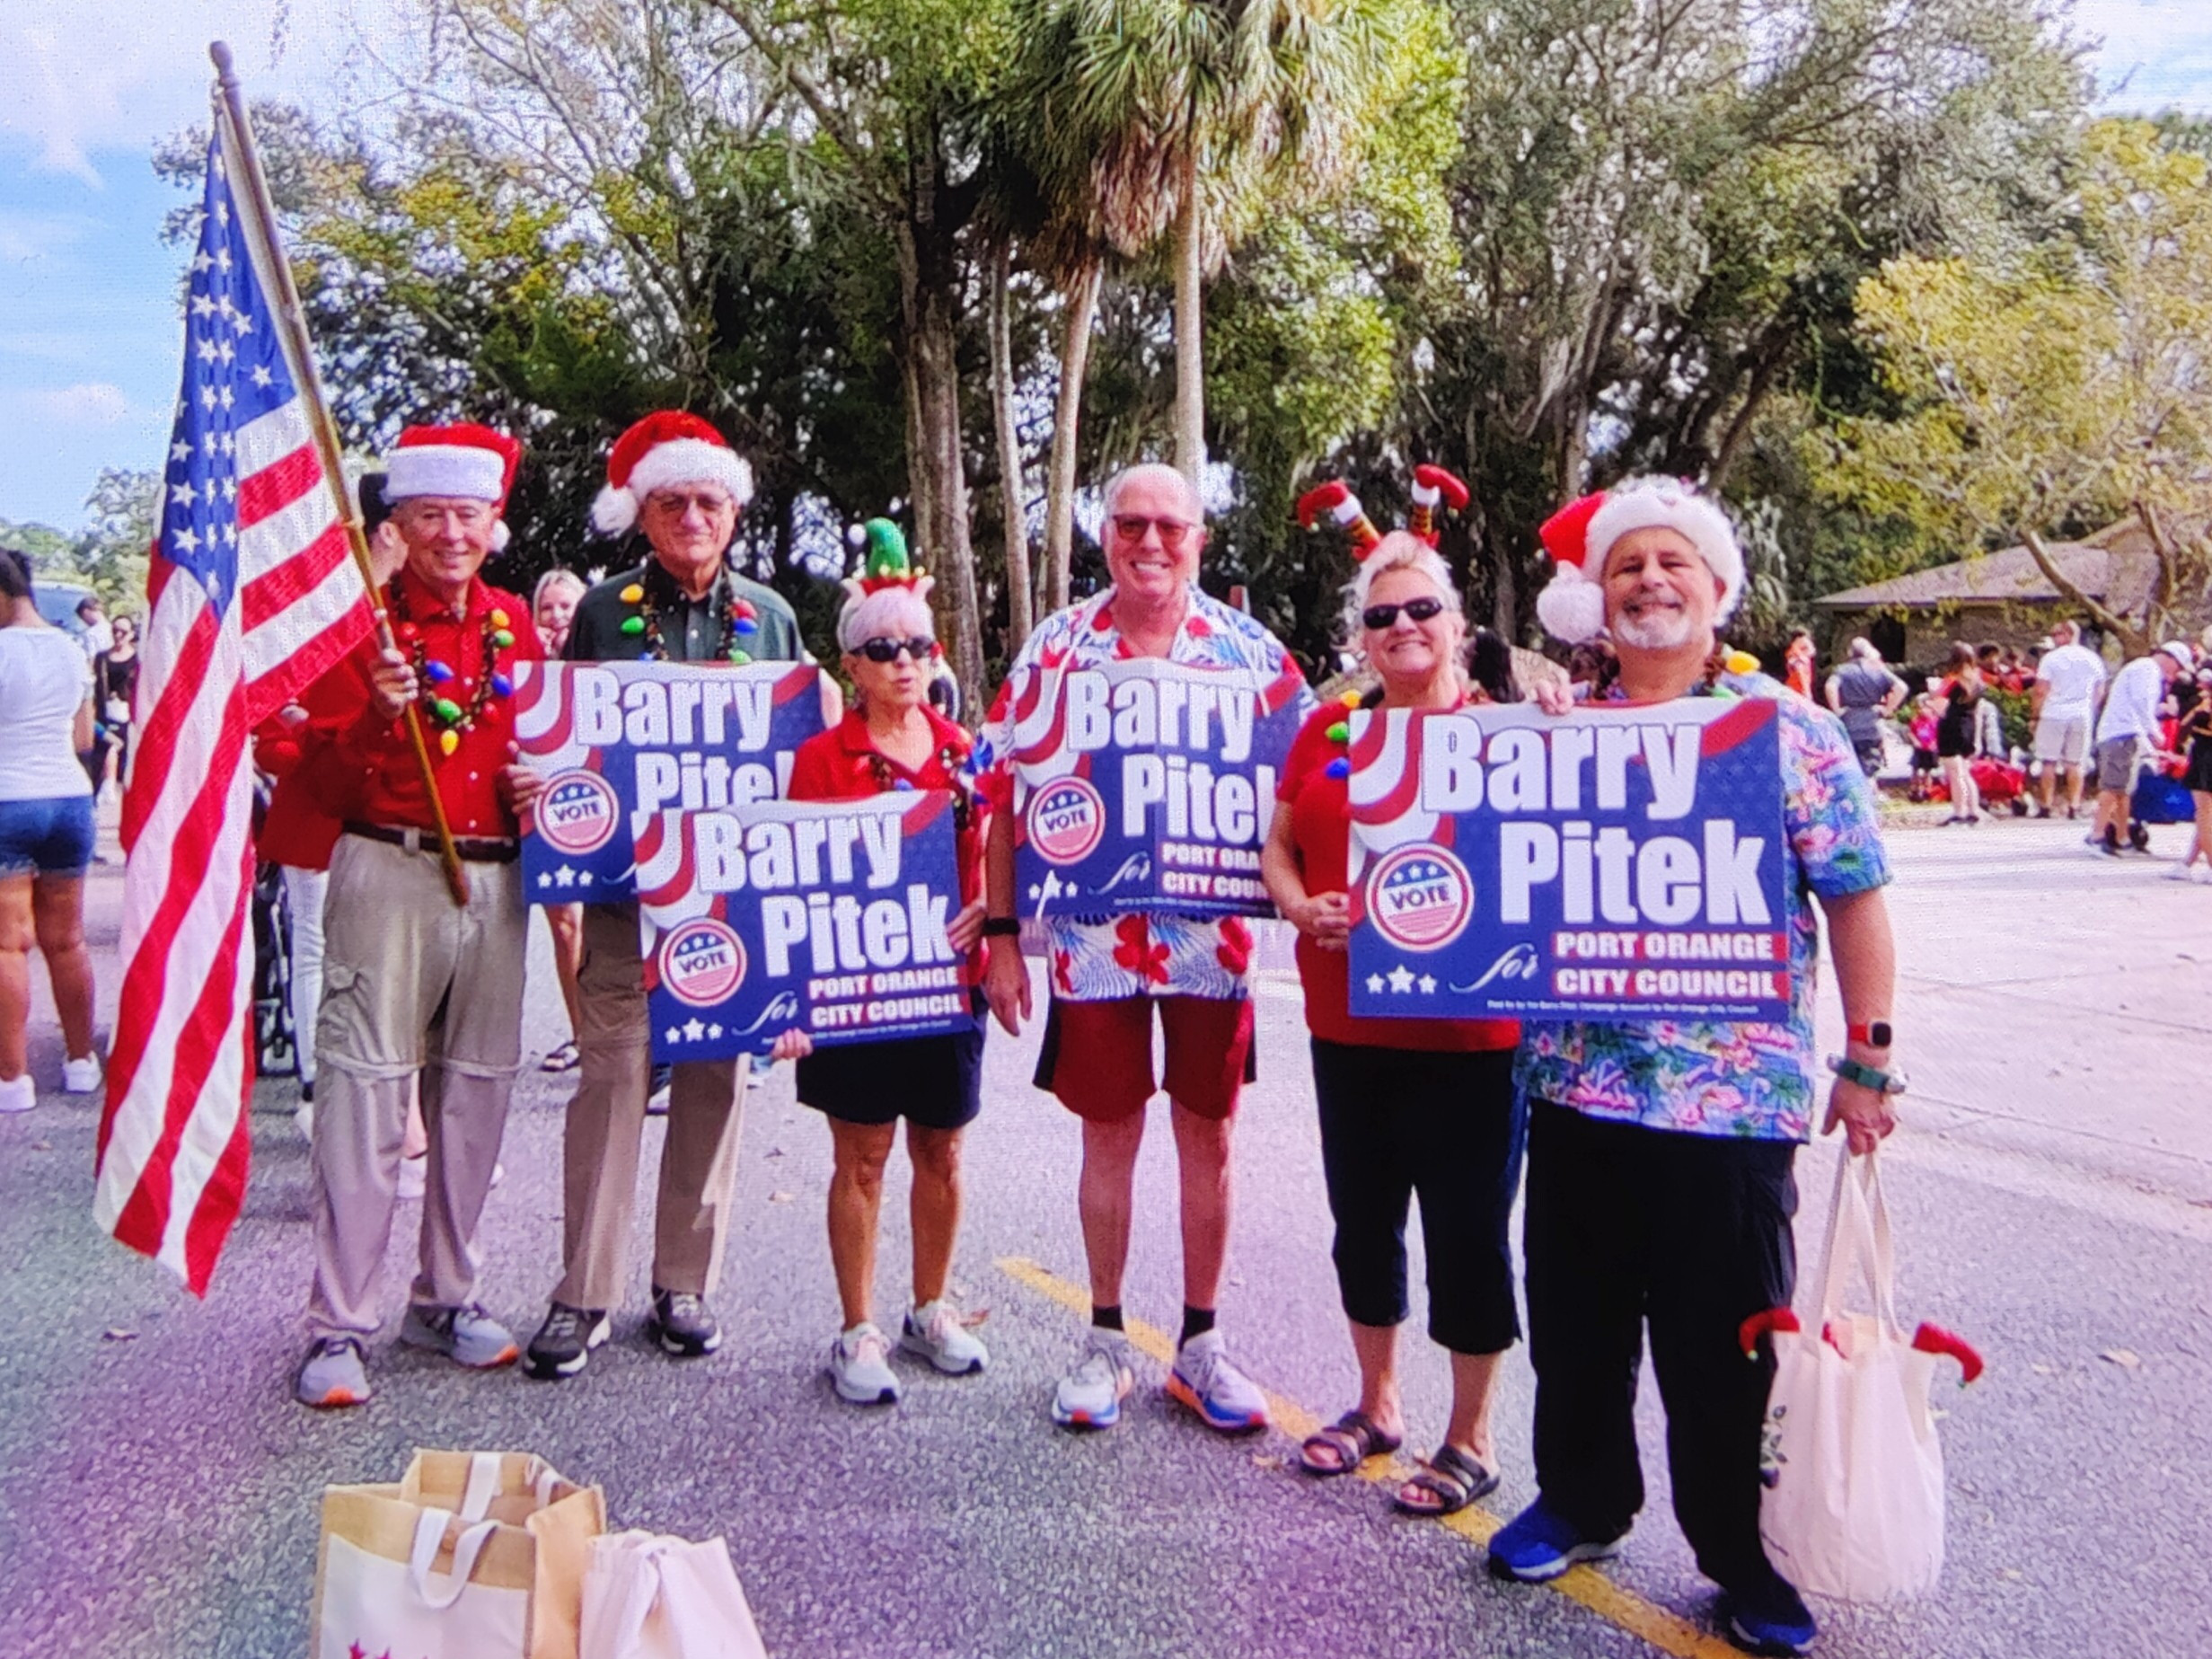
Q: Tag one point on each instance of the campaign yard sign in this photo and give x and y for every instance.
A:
(1146, 785)
(1624, 863)
(620, 743)
(825, 916)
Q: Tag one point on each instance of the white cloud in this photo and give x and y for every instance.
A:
(2155, 53)
(27, 236)
(88, 403)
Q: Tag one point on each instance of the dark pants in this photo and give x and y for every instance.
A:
(1399, 1121)
(1691, 1233)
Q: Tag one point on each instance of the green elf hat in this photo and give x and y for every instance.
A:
(885, 562)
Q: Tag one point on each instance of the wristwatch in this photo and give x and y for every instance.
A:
(1867, 1076)
(1002, 927)
(1875, 1034)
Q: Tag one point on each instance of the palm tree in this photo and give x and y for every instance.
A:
(1145, 117)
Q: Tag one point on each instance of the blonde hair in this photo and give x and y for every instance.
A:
(1401, 550)
(559, 576)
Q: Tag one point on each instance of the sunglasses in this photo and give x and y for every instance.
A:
(1379, 617)
(920, 647)
(1132, 526)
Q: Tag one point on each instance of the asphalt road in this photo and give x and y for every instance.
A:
(159, 1491)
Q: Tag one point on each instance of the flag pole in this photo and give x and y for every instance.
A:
(292, 320)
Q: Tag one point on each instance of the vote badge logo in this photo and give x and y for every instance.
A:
(1421, 898)
(1067, 820)
(702, 962)
(577, 812)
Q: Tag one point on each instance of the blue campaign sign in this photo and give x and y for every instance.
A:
(621, 742)
(825, 916)
(1147, 785)
(1618, 863)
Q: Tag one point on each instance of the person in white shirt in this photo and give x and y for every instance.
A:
(46, 835)
(2063, 703)
(2126, 731)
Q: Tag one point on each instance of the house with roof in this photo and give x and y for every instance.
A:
(2001, 598)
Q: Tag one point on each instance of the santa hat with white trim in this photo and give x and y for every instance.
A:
(1579, 535)
(462, 460)
(666, 447)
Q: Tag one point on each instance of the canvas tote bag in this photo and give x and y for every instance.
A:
(664, 1598)
(1854, 1504)
(470, 1555)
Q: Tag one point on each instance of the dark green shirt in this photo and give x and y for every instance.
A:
(690, 629)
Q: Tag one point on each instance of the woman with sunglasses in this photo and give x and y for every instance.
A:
(1407, 1106)
(115, 687)
(891, 738)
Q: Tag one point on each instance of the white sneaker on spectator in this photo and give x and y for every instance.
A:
(1090, 1396)
(414, 1177)
(860, 1368)
(80, 1076)
(18, 1094)
(1207, 1381)
(939, 1335)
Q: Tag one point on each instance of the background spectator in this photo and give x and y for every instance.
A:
(1864, 692)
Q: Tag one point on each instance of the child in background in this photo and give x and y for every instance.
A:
(1927, 711)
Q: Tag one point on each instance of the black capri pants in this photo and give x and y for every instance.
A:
(1395, 1122)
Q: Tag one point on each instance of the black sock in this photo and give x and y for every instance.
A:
(1197, 1322)
(1106, 1317)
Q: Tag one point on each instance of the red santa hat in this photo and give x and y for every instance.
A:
(462, 460)
(1579, 535)
(666, 447)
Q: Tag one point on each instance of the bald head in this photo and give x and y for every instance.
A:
(1155, 478)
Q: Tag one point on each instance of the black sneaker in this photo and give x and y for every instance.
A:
(564, 1342)
(1771, 1619)
(682, 1324)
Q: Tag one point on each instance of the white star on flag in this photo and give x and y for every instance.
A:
(183, 495)
(1401, 980)
(261, 376)
(185, 539)
(179, 451)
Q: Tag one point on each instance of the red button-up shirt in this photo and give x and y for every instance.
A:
(844, 764)
(367, 768)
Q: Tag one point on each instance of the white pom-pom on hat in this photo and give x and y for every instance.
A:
(1570, 606)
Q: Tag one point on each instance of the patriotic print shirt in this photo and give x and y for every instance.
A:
(1104, 958)
(1719, 1077)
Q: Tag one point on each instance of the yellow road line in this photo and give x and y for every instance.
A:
(1646, 1621)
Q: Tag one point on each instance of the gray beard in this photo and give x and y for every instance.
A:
(1665, 631)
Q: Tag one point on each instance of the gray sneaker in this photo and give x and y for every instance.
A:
(466, 1335)
(682, 1324)
(938, 1334)
(564, 1342)
(1090, 1396)
(860, 1368)
(332, 1375)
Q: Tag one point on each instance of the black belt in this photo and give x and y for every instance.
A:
(472, 849)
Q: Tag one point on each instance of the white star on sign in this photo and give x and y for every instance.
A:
(1428, 985)
(1401, 980)
(545, 879)
(584, 879)
(1374, 984)
(714, 1031)
(565, 876)
(675, 1034)
(694, 1029)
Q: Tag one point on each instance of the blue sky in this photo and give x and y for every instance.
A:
(88, 326)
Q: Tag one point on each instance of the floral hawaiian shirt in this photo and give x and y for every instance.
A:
(1104, 958)
(1717, 1077)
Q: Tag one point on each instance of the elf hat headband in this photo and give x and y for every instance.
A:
(886, 567)
(1433, 487)
(666, 447)
(1579, 536)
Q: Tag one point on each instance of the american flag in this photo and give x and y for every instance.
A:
(253, 596)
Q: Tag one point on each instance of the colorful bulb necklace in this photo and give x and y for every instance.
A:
(433, 676)
(741, 620)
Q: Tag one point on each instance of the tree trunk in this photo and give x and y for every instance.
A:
(929, 305)
(2132, 639)
(1012, 507)
(1079, 312)
(1190, 364)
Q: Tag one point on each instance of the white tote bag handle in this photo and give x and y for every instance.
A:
(638, 1579)
(1859, 1241)
(483, 1488)
(429, 1533)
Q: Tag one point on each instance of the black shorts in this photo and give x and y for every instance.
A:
(935, 1081)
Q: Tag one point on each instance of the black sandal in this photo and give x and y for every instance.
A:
(1453, 1478)
(1353, 1437)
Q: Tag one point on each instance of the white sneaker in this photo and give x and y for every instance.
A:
(1090, 1396)
(81, 1076)
(938, 1334)
(860, 1368)
(413, 1177)
(18, 1094)
(1208, 1381)
(304, 1115)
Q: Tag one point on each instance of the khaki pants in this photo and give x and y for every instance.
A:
(411, 984)
(606, 1123)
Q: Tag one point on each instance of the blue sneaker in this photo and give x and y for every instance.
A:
(1539, 1544)
(1771, 1619)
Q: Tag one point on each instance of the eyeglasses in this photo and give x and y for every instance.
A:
(1132, 526)
(676, 503)
(920, 647)
(1379, 617)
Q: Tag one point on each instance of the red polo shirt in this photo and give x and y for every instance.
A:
(366, 770)
(842, 763)
(1320, 809)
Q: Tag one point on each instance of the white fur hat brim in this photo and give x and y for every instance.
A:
(679, 461)
(1663, 504)
(460, 472)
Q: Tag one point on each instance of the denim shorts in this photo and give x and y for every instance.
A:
(50, 837)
